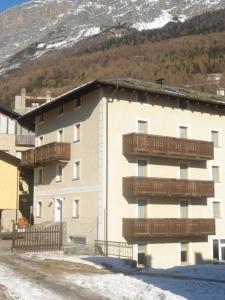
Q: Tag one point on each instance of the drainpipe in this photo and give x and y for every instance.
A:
(17, 193)
(107, 167)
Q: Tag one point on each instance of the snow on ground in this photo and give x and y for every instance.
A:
(118, 286)
(96, 261)
(192, 282)
(17, 287)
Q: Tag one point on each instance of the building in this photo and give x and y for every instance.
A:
(24, 103)
(15, 197)
(13, 138)
(133, 161)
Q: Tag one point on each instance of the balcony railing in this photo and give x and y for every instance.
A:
(165, 187)
(28, 158)
(145, 228)
(155, 145)
(25, 140)
(52, 152)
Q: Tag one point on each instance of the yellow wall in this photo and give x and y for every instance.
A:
(8, 185)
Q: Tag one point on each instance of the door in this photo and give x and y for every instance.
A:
(58, 210)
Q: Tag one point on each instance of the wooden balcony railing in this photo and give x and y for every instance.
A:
(155, 145)
(25, 140)
(28, 158)
(145, 228)
(165, 187)
(52, 152)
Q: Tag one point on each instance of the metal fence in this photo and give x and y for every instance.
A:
(114, 249)
(37, 238)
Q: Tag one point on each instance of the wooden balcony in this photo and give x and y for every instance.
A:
(52, 153)
(165, 187)
(25, 140)
(145, 228)
(162, 146)
(28, 158)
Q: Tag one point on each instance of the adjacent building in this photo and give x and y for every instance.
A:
(132, 161)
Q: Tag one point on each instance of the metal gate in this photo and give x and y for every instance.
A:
(37, 238)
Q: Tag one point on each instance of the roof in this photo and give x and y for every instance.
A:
(8, 112)
(126, 83)
(10, 158)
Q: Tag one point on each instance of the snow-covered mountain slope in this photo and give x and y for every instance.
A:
(47, 25)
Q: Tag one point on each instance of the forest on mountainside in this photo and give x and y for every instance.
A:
(183, 61)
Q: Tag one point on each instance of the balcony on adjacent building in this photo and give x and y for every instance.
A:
(163, 146)
(166, 187)
(52, 152)
(147, 228)
(28, 158)
(25, 140)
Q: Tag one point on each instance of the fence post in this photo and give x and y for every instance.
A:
(13, 236)
(61, 235)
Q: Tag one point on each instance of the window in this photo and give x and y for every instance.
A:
(40, 176)
(76, 208)
(183, 104)
(11, 126)
(76, 170)
(40, 141)
(184, 209)
(142, 168)
(183, 132)
(184, 252)
(142, 209)
(77, 102)
(215, 173)
(39, 209)
(60, 109)
(59, 170)
(216, 209)
(215, 138)
(142, 126)
(19, 154)
(77, 133)
(40, 118)
(3, 124)
(183, 171)
(60, 136)
(216, 249)
(142, 97)
(141, 254)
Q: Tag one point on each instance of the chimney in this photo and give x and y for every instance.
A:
(48, 96)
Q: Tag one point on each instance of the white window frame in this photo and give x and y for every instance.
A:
(75, 170)
(57, 180)
(219, 137)
(39, 209)
(75, 139)
(221, 209)
(180, 162)
(38, 139)
(220, 177)
(76, 208)
(143, 120)
(189, 208)
(189, 250)
(148, 165)
(58, 135)
(188, 130)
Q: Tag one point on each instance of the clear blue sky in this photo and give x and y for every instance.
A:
(4, 4)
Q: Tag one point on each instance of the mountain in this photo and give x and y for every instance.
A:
(42, 26)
